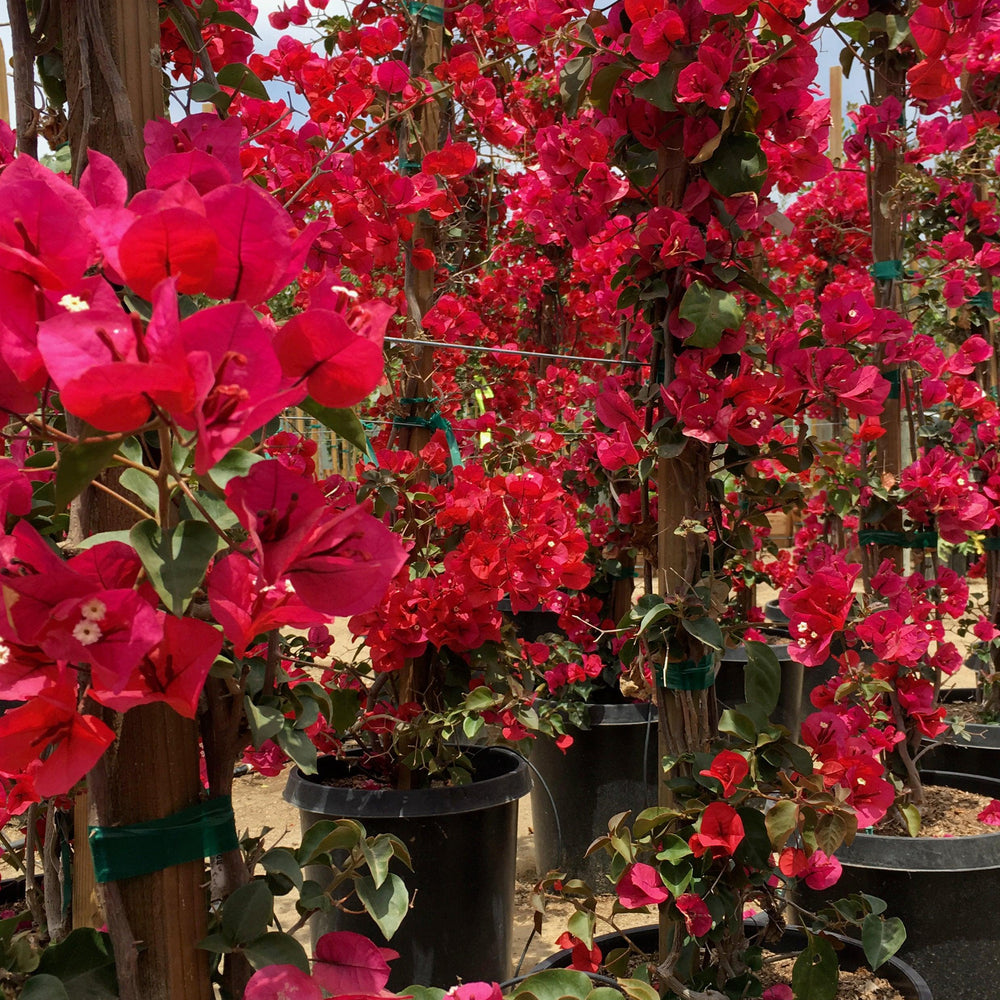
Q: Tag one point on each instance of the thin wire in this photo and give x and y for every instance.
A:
(507, 350)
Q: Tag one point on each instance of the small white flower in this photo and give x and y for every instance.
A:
(87, 633)
(4, 654)
(93, 610)
(802, 627)
(73, 303)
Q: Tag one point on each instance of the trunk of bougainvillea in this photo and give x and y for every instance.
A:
(225, 736)
(416, 141)
(113, 86)
(23, 58)
(887, 246)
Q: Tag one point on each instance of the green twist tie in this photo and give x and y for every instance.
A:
(427, 11)
(991, 544)
(408, 166)
(889, 270)
(894, 378)
(200, 831)
(901, 539)
(434, 422)
(687, 675)
(982, 300)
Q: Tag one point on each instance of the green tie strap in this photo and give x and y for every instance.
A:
(983, 300)
(894, 377)
(198, 832)
(427, 11)
(901, 539)
(408, 166)
(687, 675)
(889, 270)
(434, 422)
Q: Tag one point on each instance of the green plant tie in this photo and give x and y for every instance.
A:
(408, 166)
(982, 300)
(435, 422)
(889, 270)
(687, 675)
(991, 544)
(894, 378)
(901, 539)
(200, 831)
(427, 11)
(367, 427)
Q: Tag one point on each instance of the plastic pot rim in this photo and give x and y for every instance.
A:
(308, 793)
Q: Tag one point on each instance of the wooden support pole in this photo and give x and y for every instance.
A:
(836, 116)
(4, 99)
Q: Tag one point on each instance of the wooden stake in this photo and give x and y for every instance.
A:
(836, 116)
(4, 99)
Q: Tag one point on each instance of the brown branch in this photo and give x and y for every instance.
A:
(25, 112)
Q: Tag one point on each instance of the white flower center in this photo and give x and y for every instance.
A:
(73, 303)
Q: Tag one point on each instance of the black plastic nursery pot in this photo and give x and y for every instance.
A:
(945, 890)
(463, 843)
(910, 984)
(611, 767)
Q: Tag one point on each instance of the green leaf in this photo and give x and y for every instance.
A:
(80, 464)
(275, 948)
(44, 987)
(281, 861)
(104, 536)
(83, 962)
(553, 984)
(831, 831)
(204, 92)
(329, 835)
(738, 724)
(815, 974)
(423, 992)
(233, 464)
(377, 853)
(216, 943)
(705, 629)
(712, 311)
(738, 166)
(175, 559)
(480, 699)
(573, 79)
(881, 938)
(387, 904)
(638, 989)
(233, 20)
(762, 680)
(581, 925)
(243, 79)
(265, 721)
(659, 91)
(344, 706)
(781, 821)
(471, 726)
(344, 423)
(247, 912)
(143, 486)
(601, 87)
(299, 747)
(912, 816)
